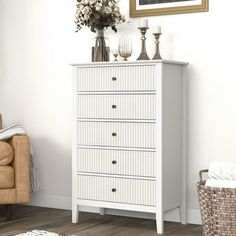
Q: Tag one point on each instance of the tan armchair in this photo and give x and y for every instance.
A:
(14, 171)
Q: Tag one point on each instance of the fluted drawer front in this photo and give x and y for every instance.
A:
(119, 162)
(120, 190)
(117, 134)
(119, 106)
(116, 78)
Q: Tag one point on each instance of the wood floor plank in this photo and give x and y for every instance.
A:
(28, 218)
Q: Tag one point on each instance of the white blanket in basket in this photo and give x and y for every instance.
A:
(222, 174)
(221, 183)
(221, 170)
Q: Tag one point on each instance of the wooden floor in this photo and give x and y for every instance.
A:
(27, 218)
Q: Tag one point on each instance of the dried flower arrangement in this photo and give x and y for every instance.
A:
(98, 14)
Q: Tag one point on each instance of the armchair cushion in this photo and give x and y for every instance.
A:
(6, 153)
(6, 177)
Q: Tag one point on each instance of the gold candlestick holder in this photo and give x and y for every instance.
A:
(143, 55)
(157, 55)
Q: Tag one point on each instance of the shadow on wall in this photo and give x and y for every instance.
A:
(54, 171)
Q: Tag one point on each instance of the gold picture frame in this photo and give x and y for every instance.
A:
(170, 9)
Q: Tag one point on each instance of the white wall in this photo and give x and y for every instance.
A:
(37, 44)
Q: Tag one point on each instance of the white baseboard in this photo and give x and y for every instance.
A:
(51, 201)
(194, 216)
(64, 202)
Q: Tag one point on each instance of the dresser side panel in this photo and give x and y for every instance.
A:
(172, 153)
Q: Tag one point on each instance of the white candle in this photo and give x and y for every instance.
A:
(157, 29)
(143, 23)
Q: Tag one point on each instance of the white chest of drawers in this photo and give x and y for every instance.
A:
(129, 137)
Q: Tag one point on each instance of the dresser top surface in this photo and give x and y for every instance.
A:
(129, 63)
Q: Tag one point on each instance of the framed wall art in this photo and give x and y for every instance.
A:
(139, 8)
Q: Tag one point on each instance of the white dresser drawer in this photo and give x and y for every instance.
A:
(118, 106)
(116, 78)
(117, 162)
(117, 190)
(116, 134)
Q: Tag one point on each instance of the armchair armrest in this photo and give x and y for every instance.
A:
(20, 163)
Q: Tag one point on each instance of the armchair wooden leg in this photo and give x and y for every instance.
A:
(8, 211)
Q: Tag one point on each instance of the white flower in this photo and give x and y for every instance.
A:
(108, 10)
(85, 10)
(78, 11)
(98, 8)
(116, 8)
(91, 2)
(86, 16)
(117, 14)
(85, 2)
(111, 4)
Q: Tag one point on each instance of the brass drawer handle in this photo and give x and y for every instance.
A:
(113, 162)
(114, 106)
(114, 78)
(113, 134)
(113, 190)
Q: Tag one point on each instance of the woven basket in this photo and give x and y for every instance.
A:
(218, 209)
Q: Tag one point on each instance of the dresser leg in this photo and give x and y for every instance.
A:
(159, 223)
(183, 214)
(75, 214)
(102, 211)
